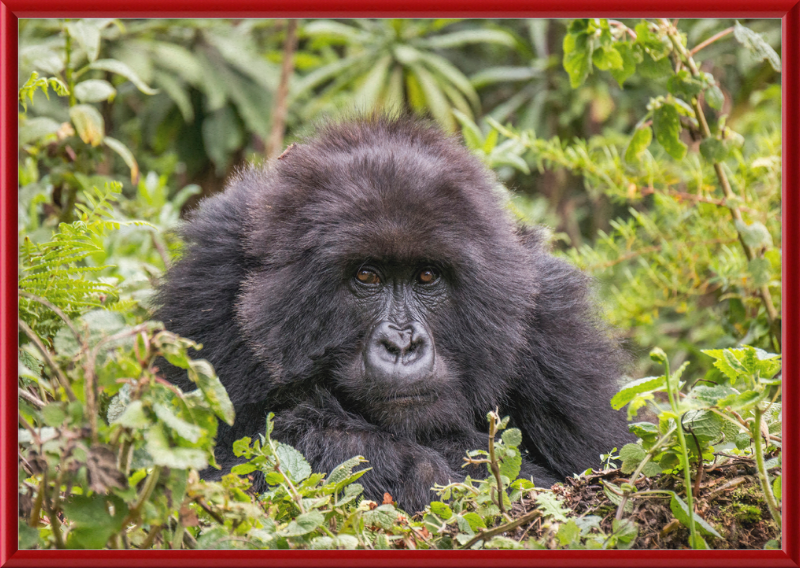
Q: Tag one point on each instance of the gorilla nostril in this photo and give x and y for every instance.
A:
(394, 353)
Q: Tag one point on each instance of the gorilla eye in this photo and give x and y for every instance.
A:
(366, 276)
(427, 276)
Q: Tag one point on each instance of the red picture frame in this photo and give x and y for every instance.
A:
(787, 10)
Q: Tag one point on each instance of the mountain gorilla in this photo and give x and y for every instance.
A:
(370, 289)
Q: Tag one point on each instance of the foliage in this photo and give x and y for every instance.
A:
(672, 202)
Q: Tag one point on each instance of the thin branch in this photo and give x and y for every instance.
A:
(62, 378)
(281, 108)
(487, 534)
(710, 40)
(30, 398)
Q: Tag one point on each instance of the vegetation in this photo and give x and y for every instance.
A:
(651, 148)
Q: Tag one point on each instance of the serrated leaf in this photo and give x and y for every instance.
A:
(303, 524)
(625, 531)
(628, 392)
(89, 123)
(756, 44)
(743, 400)
(577, 57)
(133, 416)
(654, 69)
(551, 506)
(475, 521)
(292, 462)
(667, 127)
(344, 470)
(512, 437)
(760, 271)
(383, 516)
(511, 463)
(631, 456)
(158, 447)
(704, 424)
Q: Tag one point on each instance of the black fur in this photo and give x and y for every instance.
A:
(266, 285)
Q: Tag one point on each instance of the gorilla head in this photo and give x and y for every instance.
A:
(370, 289)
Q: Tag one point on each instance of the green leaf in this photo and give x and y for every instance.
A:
(475, 521)
(243, 468)
(512, 437)
(94, 91)
(760, 271)
(133, 416)
(303, 524)
(643, 429)
(202, 374)
(467, 37)
(776, 487)
(292, 462)
(158, 446)
(120, 68)
(125, 154)
(710, 395)
(611, 492)
(745, 399)
(684, 85)
(625, 531)
(713, 150)
(577, 57)
(88, 36)
(441, 510)
(511, 463)
(631, 456)
(633, 388)
(89, 123)
(681, 511)
(654, 69)
(704, 424)
(667, 127)
(628, 68)
(33, 129)
(639, 143)
(53, 414)
(606, 58)
(755, 234)
(569, 533)
(757, 45)
(714, 97)
(656, 44)
(551, 506)
(344, 470)
(383, 516)
(184, 429)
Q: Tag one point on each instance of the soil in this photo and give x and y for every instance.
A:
(729, 498)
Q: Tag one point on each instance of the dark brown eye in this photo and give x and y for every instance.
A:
(427, 276)
(366, 276)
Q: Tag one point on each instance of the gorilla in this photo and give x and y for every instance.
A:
(370, 289)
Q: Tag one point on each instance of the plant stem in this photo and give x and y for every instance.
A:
(730, 196)
(275, 141)
(487, 534)
(62, 378)
(650, 453)
(684, 451)
(763, 477)
(493, 463)
(710, 40)
(68, 67)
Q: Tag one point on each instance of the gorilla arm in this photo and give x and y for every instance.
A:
(562, 396)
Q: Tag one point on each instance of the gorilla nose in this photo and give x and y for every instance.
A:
(395, 352)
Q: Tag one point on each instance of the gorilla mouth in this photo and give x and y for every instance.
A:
(408, 399)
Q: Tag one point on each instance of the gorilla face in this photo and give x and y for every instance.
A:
(370, 288)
